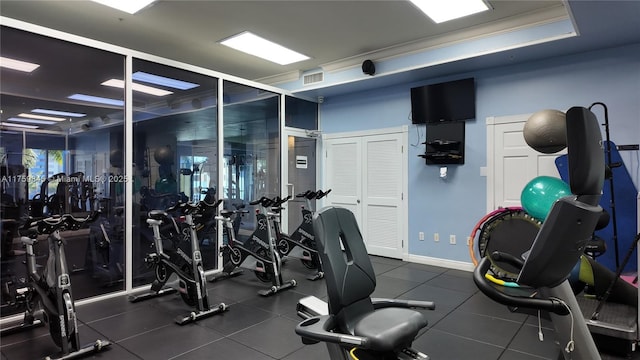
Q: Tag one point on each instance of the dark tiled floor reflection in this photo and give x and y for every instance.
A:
(465, 324)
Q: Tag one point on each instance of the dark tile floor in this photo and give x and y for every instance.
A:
(465, 324)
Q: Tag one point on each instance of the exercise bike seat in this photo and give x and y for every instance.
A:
(158, 214)
(389, 329)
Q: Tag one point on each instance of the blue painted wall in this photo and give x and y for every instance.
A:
(454, 205)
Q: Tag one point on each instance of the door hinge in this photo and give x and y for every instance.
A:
(403, 244)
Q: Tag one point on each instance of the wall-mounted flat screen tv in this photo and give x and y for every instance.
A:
(448, 101)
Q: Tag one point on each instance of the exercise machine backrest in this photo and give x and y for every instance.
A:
(350, 277)
(572, 219)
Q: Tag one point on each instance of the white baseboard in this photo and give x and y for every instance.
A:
(449, 264)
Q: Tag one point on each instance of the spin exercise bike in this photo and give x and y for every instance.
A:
(258, 253)
(177, 271)
(301, 244)
(561, 241)
(47, 295)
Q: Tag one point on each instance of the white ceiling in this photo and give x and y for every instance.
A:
(329, 32)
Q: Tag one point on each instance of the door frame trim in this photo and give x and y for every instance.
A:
(490, 122)
(284, 161)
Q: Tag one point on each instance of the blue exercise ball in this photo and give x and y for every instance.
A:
(539, 195)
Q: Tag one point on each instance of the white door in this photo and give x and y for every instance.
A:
(344, 174)
(382, 198)
(511, 163)
(367, 174)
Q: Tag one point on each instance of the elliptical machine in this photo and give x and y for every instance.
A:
(179, 271)
(561, 241)
(301, 244)
(47, 295)
(254, 254)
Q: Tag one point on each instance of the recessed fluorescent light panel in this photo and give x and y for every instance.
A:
(137, 87)
(41, 117)
(17, 64)
(444, 10)
(163, 81)
(97, 99)
(255, 45)
(129, 6)
(59, 113)
(18, 125)
(31, 121)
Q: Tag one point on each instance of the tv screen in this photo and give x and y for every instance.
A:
(449, 101)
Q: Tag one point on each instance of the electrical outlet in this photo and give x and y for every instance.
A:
(436, 237)
(452, 239)
(421, 236)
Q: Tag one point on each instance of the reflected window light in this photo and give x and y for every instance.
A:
(57, 112)
(163, 81)
(97, 99)
(17, 64)
(31, 121)
(137, 87)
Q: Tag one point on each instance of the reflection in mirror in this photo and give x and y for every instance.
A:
(300, 113)
(251, 149)
(61, 143)
(175, 158)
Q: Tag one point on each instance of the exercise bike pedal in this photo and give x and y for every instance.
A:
(195, 316)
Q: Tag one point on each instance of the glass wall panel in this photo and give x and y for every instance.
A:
(175, 155)
(251, 166)
(61, 143)
(300, 113)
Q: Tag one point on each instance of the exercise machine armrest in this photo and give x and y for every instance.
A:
(552, 305)
(508, 258)
(316, 329)
(379, 303)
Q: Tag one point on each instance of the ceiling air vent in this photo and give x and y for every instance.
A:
(313, 78)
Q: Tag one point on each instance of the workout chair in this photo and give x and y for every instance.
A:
(560, 243)
(378, 328)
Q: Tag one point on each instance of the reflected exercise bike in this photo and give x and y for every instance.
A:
(47, 295)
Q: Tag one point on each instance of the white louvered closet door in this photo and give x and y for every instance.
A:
(366, 176)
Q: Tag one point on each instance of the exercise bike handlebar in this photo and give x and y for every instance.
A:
(310, 194)
(555, 306)
(320, 194)
(186, 208)
(50, 224)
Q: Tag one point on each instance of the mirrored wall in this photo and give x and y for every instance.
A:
(175, 152)
(61, 151)
(64, 134)
(251, 167)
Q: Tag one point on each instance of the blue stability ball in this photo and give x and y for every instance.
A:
(539, 194)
